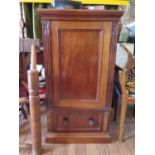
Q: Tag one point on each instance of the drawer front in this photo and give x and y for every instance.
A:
(77, 121)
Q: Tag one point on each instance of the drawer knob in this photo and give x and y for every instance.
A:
(65, 122)
(91, 122)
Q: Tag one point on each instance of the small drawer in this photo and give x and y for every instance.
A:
(77, 121)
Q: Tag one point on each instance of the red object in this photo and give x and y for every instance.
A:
(22, 90)
(24, 93)
(42, 90)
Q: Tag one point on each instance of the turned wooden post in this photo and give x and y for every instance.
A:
(33, 84)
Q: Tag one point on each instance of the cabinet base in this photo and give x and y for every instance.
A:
(76, 137)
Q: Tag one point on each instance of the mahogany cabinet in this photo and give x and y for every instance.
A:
(79, 56)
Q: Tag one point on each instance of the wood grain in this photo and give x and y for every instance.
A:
(80, 49)
(116, 148)
(77, 137)
(91, 121)
(80, 14)
(33, 84)
(79, 74)
(75, 59)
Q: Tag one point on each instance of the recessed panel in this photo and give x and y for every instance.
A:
(78, 63)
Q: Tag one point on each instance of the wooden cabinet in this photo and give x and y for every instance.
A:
(79, 56)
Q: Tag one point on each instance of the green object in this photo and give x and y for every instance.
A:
(37, 33)
(123, 36)
(27, 8)
(111, 7)
(32, 19)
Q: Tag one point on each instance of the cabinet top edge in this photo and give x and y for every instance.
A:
(49, 13)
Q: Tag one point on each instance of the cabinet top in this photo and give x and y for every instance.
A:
(79, 14)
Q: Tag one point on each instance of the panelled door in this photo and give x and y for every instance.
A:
(80, 62)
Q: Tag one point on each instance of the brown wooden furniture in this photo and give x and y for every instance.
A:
(127, 77)
(33, 83)
(79, 51)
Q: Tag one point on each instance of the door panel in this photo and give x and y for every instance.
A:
(80, 56)
(78, 66)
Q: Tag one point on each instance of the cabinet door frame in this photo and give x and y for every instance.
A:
(105, 30)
